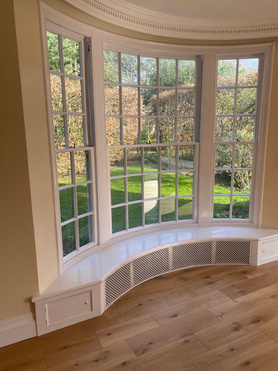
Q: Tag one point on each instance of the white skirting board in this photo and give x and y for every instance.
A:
(16, 329)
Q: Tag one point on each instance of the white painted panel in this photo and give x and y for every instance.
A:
(268, 251)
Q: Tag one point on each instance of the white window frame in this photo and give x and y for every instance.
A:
(101, 40)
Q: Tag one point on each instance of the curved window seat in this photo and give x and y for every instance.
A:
(89, 287)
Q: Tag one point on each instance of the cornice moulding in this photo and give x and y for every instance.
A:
(138, 19)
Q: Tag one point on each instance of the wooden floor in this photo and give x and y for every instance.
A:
(208, 318)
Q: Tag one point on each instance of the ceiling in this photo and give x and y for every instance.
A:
(194, 19)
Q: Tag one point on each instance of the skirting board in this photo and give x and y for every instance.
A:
(17, 329)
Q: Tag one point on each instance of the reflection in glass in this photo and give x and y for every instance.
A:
(151, 210)
(118, 219)
(75, 131)
(130, 131)
(242, 181)
(66, 204)
(185, 183)
(223, 155)
(241, 206)
(224, 129)
(168, 209)
(85, 230)
(244, 155)
(222, 182)
(71, 57)
(185, 208)
(53, 51)
(81, 159)
(113, 131)
(112, 100)
(186, 73)
(84, 198)
(166, 130)
(133, 158)
(185, 130)
(221, 208)
(117, 191)
(226, 75)
(244, 130)
(129, 69)
(167, 102)
(168, 158)
(168, 184)
(151, 159)
(148, 131)
(248, 71)
(59, 131)
(116, 162)
(186, 102)
(134, 188)
(135, 215)
(246, 100)
(148, 71)
(111, 66)
(63, 169)
(56, 93)
(68, 238)
(186, 157)
(73, 95)
(167, 72)
(150, 186)
(225, 101)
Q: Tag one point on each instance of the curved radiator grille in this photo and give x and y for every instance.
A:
(171, 258)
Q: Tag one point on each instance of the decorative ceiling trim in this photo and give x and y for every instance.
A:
(135, 18)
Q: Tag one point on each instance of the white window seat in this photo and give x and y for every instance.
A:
(90, 286)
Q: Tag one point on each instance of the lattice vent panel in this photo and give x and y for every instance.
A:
(232, 252)
(151, 265)
(117, 284)
(192, 254)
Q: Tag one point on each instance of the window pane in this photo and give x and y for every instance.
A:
(148, 71)
(151, 159)
(222, 183)
(81, 162)
(151, 212)
(133, 160)
(56, 93)
(248, 71)
(53, 51)
(186, 102)
(168, 209)
(113, 131)
(85, 230)
(63, 169)
(185, 183)
(71, 57)
(168, 158)
(134, 188)
(84, 198)
(168, 184)
(116, 162)
(241, 207)
(117, 191)
(68, 238)
(244, 156)
(221, 207)
(130, 131)
(223, 156)
(224, 129)
(167, 102)
(150, 186)
(186, 73)
(59, 131)
(246, 100)
(135, 215)
(185, 208)
(167, 72)
(75, 131)
(244, 130)
(111, 66)
(118, 219)
(166, 130)
(73, 95)
(148, 101)
(129, 69)
(225, 101)
(186, 157)
(148, 131)
(130, 101)
(226, 75)
(112, 100)
(185, 130)
(242, 181)
(66, 204)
